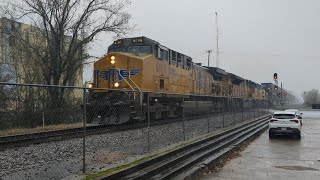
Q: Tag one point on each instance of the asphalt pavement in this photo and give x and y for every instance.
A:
(280, 158)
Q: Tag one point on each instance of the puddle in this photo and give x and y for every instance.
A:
(297, 168)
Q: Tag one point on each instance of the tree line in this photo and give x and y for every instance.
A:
(311, 97)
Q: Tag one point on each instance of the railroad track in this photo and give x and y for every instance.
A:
(188, 160)
(47, 136)
(55, 135)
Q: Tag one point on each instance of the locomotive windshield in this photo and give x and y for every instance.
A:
(132, 49)
(139, 49)
(118, 49)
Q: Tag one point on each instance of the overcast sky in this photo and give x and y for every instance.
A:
(256, 39)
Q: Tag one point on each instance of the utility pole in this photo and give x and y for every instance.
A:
(281, 96)
(217, 51)
(209, 51)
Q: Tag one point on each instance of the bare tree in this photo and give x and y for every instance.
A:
(65, 28)
(311, 97)
(3, 96)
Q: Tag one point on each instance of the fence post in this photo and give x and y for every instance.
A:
(208, 116)
(242, 106)
(266, 108)
(223, 120)
(254, 109)
(43, 119)
(261, 108)
(84, 130)
(148, 127)
(260, 112)
(257, 108)
(183, 120)
(208, 122)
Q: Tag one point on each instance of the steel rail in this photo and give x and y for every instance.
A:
(179, 161)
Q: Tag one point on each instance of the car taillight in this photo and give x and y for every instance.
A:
(295, 120)
(273, 120)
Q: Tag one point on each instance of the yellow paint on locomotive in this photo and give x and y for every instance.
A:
(155, 75)
(173, 78)
(123, 61)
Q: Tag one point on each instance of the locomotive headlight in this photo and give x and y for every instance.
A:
(90, 85)
(113, 60)
(116, 84)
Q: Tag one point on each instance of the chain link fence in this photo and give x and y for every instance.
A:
(74, 131)
(32, 114)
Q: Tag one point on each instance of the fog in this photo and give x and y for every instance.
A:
(257, 37)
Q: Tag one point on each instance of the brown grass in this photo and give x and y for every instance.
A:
(18, 131)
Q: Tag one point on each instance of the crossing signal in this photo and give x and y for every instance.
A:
(279, 94)
(275, 88)
(275, 76)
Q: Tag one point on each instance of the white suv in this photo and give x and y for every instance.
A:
(284, 122)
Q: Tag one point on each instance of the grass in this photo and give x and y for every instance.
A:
(115, 169)
(17, 131)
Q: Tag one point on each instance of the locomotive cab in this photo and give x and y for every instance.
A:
(116, 76)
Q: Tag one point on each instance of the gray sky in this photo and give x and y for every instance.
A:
(256, 39)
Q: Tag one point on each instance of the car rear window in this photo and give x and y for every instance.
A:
(283, 116)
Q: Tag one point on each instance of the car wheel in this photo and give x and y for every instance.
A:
(298, 135)
(271, 135)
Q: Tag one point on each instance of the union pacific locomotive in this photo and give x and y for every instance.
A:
(140, 75)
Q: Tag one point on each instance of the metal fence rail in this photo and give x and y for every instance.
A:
(117, 126)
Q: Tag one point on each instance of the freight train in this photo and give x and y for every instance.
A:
(140, 75)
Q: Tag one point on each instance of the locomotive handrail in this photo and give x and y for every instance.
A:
(134, 82)
(124, 79)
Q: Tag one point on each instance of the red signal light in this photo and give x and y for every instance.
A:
(275, 88)
(275, 76)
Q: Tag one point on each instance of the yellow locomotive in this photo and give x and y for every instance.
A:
(138, 69)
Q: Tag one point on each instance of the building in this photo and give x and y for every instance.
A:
(17, 60)
(20, 64)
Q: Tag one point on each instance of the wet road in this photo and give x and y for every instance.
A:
(280, 158)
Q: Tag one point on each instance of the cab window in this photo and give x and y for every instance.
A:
(118, 49)
(162, 54)
(139, 49)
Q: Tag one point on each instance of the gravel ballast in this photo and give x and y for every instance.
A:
(63, 159)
